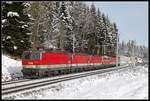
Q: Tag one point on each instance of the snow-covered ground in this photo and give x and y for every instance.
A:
(10, 68)
(131, 83)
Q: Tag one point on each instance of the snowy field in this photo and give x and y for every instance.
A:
(131, 83)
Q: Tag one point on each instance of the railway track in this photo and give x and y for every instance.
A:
(14, 81)
(25, 86)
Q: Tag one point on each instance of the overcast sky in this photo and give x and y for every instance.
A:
(130, 17)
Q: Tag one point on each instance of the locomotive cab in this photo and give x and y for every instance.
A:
(39, 63)
(29, 61)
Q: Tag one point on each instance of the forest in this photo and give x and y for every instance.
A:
(72, 26)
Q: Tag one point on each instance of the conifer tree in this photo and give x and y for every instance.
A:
(99, 33)
(91, 36)
(66, 28)
(15, 28)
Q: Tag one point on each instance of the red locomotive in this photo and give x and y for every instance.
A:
(44, 63)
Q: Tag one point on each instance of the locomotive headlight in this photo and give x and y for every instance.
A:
(31, 63)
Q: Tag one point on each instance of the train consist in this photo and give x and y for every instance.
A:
(45, 63)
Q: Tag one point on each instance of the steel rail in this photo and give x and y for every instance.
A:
(14, 81)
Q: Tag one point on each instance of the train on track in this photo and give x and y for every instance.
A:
(46, 63)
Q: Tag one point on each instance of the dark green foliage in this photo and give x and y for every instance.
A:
(14, 37)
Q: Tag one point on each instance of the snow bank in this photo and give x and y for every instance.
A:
(131, 83)
(11, 14)
(4, 20)
(10, 68)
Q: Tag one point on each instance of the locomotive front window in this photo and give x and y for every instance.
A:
(26, 55)
(35, 56)
(32, 55)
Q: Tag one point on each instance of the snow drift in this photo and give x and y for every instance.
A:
(10, 68)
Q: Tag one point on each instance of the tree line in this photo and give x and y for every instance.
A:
(130, 48)
(72, 26)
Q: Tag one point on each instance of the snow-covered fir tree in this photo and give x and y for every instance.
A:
(83, 25)
(86, 30)
(109, 35)
(75, 13)
(66, 39)
(114, 39)
(38, 13)
(103, 34)
(15, 28)
(92, 34)
(99, 33)
(54, 32)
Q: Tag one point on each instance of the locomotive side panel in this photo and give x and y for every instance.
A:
(50, 64)
(55, 58)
